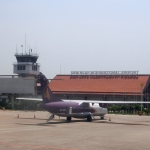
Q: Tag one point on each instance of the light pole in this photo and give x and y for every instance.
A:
(142, 84)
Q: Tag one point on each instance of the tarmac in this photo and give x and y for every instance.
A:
(28, 130)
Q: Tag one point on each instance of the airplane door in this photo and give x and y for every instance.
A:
(69, 110)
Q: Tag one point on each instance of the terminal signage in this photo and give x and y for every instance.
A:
(104, 72)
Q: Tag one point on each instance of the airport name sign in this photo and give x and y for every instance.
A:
(104, 72)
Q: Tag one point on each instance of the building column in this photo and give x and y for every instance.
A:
(12, 101)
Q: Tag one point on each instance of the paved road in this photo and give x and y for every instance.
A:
(123, 132)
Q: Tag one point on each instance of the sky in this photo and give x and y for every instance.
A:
(77, 35)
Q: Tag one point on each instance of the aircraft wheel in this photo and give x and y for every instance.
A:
(68, 118)
(102, 117)
(89, 118)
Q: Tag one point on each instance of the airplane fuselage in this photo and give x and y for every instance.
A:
(73, 109)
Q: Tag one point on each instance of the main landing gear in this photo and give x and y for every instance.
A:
(102, 117)
(89, 118)
(68, 118)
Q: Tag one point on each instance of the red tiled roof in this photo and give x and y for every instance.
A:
(98, 84)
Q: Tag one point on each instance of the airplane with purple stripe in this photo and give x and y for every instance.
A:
(72, 108)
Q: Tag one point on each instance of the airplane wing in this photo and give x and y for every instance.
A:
(107, 102)
(90, 101)
(30, 99)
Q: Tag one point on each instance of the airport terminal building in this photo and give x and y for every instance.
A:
(83, 85)
(102, 85)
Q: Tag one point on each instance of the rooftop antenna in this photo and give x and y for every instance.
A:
(27, 48)
(25, 43)
(36, 46)
(22, 48)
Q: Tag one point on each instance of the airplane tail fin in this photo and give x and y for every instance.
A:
(47, 94)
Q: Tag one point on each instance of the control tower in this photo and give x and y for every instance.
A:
(26, 64)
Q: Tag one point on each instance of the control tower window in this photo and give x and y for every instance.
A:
(34, 67)
(21, 67)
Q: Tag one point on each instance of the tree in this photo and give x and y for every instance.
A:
(124, 108)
